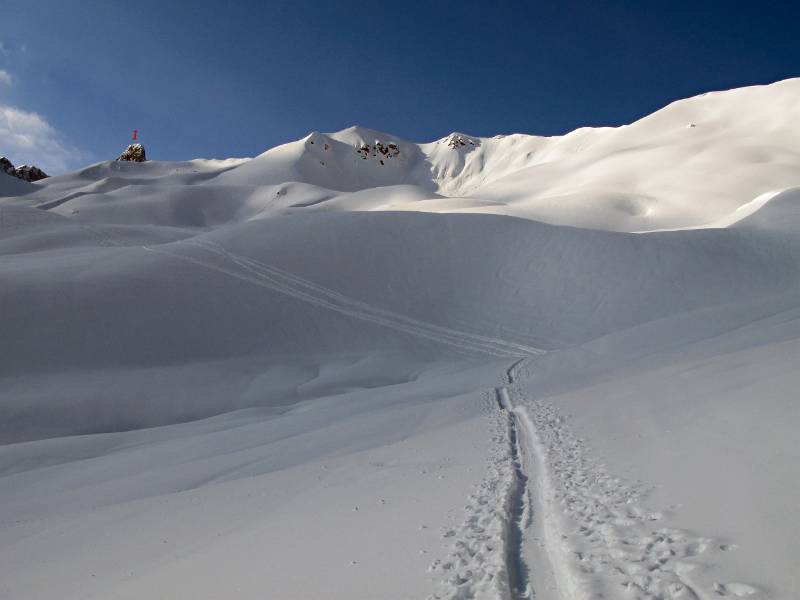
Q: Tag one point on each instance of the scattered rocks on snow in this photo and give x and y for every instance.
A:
(24, 172)
(133, 153)
(389, 150)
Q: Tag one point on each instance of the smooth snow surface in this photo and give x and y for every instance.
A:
(11, 186)
(361, 368)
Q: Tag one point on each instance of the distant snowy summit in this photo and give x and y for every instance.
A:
(25, 172)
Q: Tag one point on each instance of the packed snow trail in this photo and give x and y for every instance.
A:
(519, 509)
(267, 276)
(598, 539)
(486, 559)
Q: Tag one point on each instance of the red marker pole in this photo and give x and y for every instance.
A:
(134, 134)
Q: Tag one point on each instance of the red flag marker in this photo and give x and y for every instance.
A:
(134, 134)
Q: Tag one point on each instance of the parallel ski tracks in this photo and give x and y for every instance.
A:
(261, 274)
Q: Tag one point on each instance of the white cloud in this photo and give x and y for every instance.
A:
(27, 138)
(5, 78)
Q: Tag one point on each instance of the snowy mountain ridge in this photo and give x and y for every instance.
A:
(661, 172)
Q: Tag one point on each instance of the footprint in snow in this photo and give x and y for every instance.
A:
(737, 590)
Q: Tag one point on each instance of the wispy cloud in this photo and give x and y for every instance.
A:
(27, 138)
(5, 78)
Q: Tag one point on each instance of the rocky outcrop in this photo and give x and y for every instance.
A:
(6, 166)
(456, 141)
(30, 173)
(24, 172)
(389, 150)
(133, 153)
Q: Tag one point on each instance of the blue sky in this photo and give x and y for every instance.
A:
(219, 79)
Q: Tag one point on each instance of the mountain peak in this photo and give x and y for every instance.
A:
(25, 172)
(458, 140)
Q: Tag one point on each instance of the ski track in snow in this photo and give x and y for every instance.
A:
(482, 559)
(264, 275)
(601, 541)
(596, 537)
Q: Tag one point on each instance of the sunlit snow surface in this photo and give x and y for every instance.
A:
(298, 376)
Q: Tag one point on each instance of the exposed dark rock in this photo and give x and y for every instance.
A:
(133, 153)
(456, 141)
(6, 166)
(30, 173)
(25, 172)
(386, 150)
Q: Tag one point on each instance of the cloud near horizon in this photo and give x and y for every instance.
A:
(27, 138)
(5, 78)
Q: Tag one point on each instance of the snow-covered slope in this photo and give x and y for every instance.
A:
(12, 186)
(358, 367)
(694, 163)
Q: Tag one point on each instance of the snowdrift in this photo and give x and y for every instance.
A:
(327, 284)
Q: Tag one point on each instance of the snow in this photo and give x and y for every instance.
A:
(358, 367)
(11, 186)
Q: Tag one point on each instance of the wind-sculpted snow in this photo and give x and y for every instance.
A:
(320, 284)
